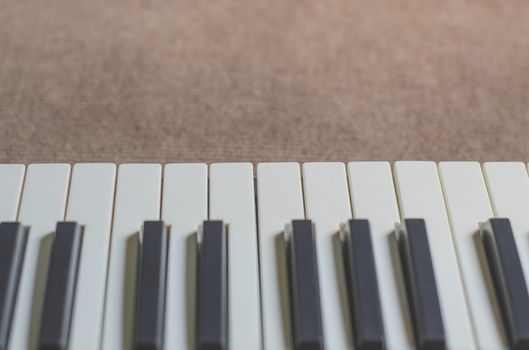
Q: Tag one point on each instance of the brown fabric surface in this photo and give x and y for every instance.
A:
(249, 80)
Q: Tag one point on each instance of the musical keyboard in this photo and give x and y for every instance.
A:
(322, 255)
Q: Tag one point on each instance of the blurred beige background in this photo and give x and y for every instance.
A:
(232, 80)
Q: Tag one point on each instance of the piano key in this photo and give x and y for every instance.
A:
(467, 204)
(508, 186)
(421, 284)
(11, 181)
(232, 199)
(13, 237)
(137, 199)
(304, 286)
(364, 300)
(60, 287)
(279, 200)
(42, 204)
(327, 205)
(420, 196)
(150, 290)
(184, 207)
(90, 203)
(212, 307)
(509, 279)
(373, 198)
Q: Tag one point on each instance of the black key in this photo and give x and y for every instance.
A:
(421, 286)
(13, 238)
(361, 277)
(508, 278)
(60, 286)
(304, 286)
(150, 287)
(212, 307)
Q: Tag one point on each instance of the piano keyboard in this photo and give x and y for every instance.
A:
(284, 256)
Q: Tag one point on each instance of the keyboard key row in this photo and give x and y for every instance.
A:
(452, 200)
(212, 287)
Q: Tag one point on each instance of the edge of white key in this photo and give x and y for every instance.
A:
(279, 200)
(232, 199)
(11, 181)
(184, 207)
(90, 203)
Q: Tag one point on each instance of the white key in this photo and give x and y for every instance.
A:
(327, 205)
(42, 205)
(420, 196)
(137, 200)
(11, 180)
(184, 207)
(373, 198)
(467, 203)
(508, 186)
(90, 203)
(279, 201)
(231, 199)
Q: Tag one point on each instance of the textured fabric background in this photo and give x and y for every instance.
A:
(253, 80)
